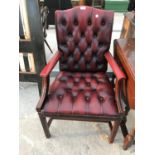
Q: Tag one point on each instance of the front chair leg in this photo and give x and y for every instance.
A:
(114, 131)
(110, 126)
(44, 125)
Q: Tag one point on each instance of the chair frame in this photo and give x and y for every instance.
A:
(119, 120)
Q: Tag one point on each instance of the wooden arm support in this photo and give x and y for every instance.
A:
(51, 64)
(45, 82)
(45, 79)
(120, 78)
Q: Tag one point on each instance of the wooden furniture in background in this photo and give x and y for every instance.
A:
(54, 5)
(128, 29)
(82, 2)
(124, 53)
(31, 43)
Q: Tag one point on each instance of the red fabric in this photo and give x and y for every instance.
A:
(118, 72)
(47, 69)
(83, 35)
(81, 93)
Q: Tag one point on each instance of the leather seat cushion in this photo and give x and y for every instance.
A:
(81, 93)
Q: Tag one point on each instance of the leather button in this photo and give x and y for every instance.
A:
(69, 85)
(63, 21)
(88, 84)
(60, 94)
(60, 97)
(87, 96)
(74, 95)
(102, 22)
(89, 22)
(76, 80)
(75, 22)
(101, 99)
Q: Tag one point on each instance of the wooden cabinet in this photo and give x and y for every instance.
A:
(31, 43)
(128, 29)
(124, 53)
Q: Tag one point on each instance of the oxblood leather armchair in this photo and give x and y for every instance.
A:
(82, 90)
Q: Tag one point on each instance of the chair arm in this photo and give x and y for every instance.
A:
(116, 69)
(120, 79)
(51, 64)
(45, 79)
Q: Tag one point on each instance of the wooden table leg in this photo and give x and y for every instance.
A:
(129, 139)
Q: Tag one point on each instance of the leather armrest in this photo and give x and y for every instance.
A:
(119, 83)
(51, 64)
(116, 69)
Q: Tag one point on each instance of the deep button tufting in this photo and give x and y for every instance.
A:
(82, 34)
(76, 35)
(76, 80)
(82, 45)
(69, 86)
(75, 22)
(81, 99)
(69, 34)
(71, 62)
(94, 45)
(95, 34)
(76, 55)
(89, 35)
(81, 85)
(79, 29)
(60, 93)
(89, 21)
(89, 44)
(70, 45)
(101, 99)
(88, 55)
(87, 96)
(103, 22)
(63, 21)
(76, 66)
(74, 95)
(88, 82)
(100, 44)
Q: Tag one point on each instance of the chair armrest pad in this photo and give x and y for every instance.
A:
(116, 69)
(51, 64)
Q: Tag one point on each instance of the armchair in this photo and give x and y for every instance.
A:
(82, 89)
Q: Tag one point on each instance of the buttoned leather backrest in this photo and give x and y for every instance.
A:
(83, 36)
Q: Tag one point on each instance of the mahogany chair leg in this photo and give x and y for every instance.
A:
(44, 125)
(124, 128)
(114, 131)
(110, 125)
(129, 139)
(50, 121)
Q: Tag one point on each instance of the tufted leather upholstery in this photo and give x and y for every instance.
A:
(83, 36)
(81, 93)
(82, 90)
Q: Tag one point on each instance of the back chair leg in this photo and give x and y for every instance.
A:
(110, 126)
(114, 131)
(124, 128)
(44, 125)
